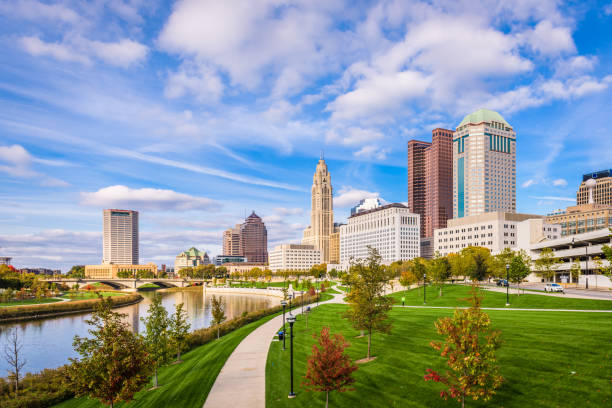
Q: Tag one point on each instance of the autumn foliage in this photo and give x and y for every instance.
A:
(329, 368)
(469, 348)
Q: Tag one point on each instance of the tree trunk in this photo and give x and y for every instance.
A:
(179, 354)
(369, 341)
(326, 399)
(217, 333)
(155, 375)
(463, 400)
(111, 404)
(440, 291)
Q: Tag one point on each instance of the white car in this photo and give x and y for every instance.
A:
(553, 287)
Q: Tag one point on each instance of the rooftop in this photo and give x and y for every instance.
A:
(483, 115)
(384, 207)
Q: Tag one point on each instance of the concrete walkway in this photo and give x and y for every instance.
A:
(242, 380)
(507, 308)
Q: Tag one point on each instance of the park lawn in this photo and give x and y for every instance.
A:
(149, 285)
(30, 302)
(186, 384)
(539, 354)
(455, 295)
(90, 295)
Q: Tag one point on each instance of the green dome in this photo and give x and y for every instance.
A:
(483, 115)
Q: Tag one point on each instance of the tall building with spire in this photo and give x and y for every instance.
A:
(254, 239)
(321, 226)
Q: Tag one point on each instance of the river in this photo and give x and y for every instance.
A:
(47, 343)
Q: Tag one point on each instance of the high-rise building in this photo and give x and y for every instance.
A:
(391, 229)
(254, 239)
(231, 242)
(120, 237)
(484, 165)
(366, 204)
(321, 213)
(294, 257)
(430, 180)
(601, 188)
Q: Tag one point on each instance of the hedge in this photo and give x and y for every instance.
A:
(60, 308)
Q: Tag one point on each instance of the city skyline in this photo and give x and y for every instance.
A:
(146, 118)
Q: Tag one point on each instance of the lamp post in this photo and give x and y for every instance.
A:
(291, 320)
(507, 284)
(284, 303)
(302, 300)
(424, 288)
(290, 297)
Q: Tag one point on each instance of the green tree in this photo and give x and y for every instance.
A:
(439, 270)
(546, 263)
(218, 311)
(368, 305)
(114, 363)
(497, 263)
(77, 271)
(156, 336)
(460, 264)
(179, 329)
(329, 368)
(469, 347)
(478, 269)
(408, 278)
(519, 270)
(125, 274)
(575, 270)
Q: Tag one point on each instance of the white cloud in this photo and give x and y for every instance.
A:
(560, 182)
(575, 65)
(17, 163)
(371, 151)
(59, 51)
(146, 199)
(349, 196)
(199, 81)
(608, 9)
(528, 183)
(35, 10)
(554, 198)
(353, 136)
(122, 53)
(550, 40)
(289, 211)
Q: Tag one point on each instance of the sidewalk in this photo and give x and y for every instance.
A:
(242, 380)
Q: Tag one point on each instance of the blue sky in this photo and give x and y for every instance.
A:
(197, 112)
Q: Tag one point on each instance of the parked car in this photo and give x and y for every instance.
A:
(553, 287)
(502, 282)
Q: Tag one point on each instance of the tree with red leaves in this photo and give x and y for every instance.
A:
(329, 368)
(469, 348)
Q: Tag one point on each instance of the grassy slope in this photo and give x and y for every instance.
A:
(186, 384)
(90, 295)
(29, 302)
(454, 295)
(541, 350)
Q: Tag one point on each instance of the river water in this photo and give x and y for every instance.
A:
(47, 343)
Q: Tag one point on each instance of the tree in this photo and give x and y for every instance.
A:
(497, 263)
(408, 278)
(368, 306)
(469, 348)
(12, 355)
(329, 368)
(439, 270)
(218, 311)
(519, 269)
(546, 263)
(77, 271)
(478, 269)
(156, 337)
(460, 264)
(114, 363)
(575, 270)
(178, 329)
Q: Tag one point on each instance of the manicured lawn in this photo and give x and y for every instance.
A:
(89, 295)
(455, 295)
(186, 384)
(29, 302)
(540, 352)
(264, 285)
(149, 285)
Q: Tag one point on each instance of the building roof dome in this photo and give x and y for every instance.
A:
(483, 115)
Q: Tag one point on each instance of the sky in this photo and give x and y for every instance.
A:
(196, 113)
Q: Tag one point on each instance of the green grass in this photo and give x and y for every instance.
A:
(89, 295)
(540, 351)
(263, 285)
(455, 295)
(149, 285)
(29, 302)
(186, 384)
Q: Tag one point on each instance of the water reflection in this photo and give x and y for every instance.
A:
(47, 343)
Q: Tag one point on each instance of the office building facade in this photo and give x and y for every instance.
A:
(232, 244)
(430, 180)
(484, 165)
(599, 190)
(191, 258)
(294, 257)
(391, 229)
(254, 239)
(120, 237)
(582, 218)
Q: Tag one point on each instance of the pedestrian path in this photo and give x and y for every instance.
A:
(242, 380)
(508, 308)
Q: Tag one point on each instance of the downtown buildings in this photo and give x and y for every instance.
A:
(248, 240)
(120, 237)
(190, 258)
(294, 257)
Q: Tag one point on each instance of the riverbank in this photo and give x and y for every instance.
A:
(44, 310)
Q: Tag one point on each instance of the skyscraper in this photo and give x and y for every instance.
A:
(430, 180)
(254, 239)
(120, 237)
(231, 241)
(321, 213)
(601, 192)
(484, 165)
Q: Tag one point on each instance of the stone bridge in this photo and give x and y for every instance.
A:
(125, 283)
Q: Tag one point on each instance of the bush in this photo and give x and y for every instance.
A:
(47, 309)
(41, 390)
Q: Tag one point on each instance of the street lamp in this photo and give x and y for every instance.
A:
(302, 300)
(291, 320)
(283, 304)
(424, 288)
(290, 297)
(507, 284)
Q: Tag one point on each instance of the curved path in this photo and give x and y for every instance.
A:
(242, 380)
